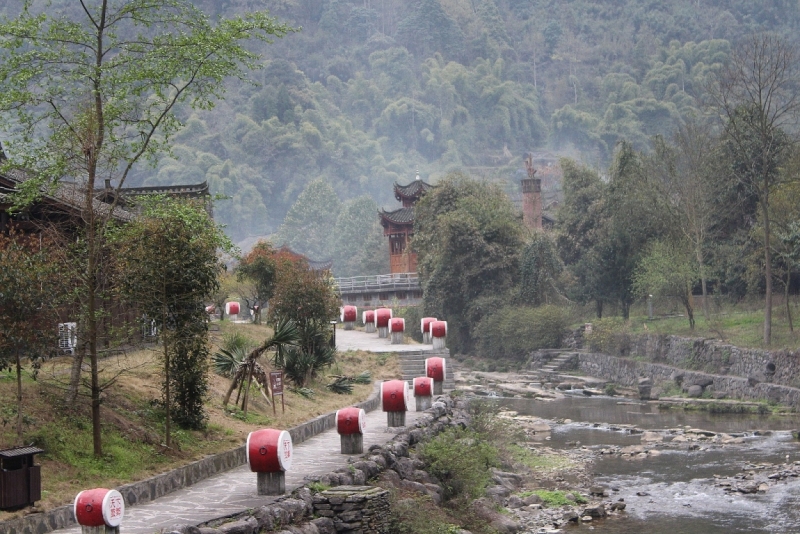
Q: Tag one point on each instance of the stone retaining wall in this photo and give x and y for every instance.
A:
(160, 485)
(712, 356)
(627, 372)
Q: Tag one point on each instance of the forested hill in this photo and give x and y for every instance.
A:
(370, 90)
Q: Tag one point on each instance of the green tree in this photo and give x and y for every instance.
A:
(258, 267)
(580, 230)
(358, 240)
(468, 238)
(634, 216)
(30, 293)
(309, 224)
(168, 265)
(540, 268)
(667, 269)
(90, 94)
(688, 174)
(758, 100)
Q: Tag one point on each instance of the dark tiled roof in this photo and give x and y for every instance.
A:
(20, 451)
(413, 190)
(68, 195)
(398, 216)
(186, 190)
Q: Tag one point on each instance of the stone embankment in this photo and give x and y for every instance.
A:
(356, 498)
(697, 366)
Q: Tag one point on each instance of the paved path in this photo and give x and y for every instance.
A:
(359, 340)
(235, 490)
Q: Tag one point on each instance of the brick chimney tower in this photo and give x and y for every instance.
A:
(531, 197)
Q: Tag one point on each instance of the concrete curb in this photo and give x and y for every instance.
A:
(154, 487)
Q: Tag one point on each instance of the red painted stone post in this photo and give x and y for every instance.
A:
(99, 511)
(435, 368)
(348, 316)
(439, 334)
(425, 325)
(394, 397)
(382, 318)
(368, 317)
(397, 326)
(350, 423)
(269, 455)
(423, 392)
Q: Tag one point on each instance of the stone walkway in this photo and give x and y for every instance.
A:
(235, 490)
(359, 340)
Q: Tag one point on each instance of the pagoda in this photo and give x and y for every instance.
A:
(398, 225)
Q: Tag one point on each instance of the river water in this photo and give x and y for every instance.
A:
(676, 493)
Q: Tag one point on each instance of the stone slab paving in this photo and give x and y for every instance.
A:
(235, 490)
(359, 340)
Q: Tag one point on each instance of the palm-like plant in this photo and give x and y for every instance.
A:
(248, 368)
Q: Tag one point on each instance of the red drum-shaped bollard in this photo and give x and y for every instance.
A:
(425, 326)
(382, 318)
(99, 507)
(350, 423)
(368, 318)
(348, 316)
(394, 396)
(232, 308)
(397, 326)
(436, 368)
(423, 392)
(269, 455)
(439, 334)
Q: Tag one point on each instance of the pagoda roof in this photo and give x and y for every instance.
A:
(414, 190)
(398, 216)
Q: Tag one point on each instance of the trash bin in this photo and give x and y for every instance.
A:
(20, 479)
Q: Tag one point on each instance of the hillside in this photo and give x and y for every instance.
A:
(366, 92)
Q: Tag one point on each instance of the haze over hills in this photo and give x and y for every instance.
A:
(371, 90)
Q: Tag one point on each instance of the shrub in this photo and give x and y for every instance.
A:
(460, 459)
(610, 335)
(514, 331)
(413, 315)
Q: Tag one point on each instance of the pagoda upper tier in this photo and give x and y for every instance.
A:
(411, 193)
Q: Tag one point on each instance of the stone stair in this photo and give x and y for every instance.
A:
(412, 365)
(556, 364)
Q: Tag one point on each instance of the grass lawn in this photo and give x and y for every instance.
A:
(740, 324)
(133, 421)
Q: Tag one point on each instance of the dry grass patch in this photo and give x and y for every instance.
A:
(133, 420)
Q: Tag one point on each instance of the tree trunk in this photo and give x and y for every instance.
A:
(767, 272)
(20, 441)
(75, 374)
(167, 399)
(598, 306)
(786, 299)
(247, 389)
(687, 303)
(702, 267)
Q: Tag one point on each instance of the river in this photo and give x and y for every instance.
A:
(675, 493)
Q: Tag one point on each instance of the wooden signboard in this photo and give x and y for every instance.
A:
(276, 385)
